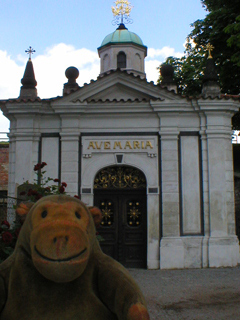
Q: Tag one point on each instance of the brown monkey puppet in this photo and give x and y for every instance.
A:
(58, 271)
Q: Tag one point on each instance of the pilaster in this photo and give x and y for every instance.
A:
(70, 161)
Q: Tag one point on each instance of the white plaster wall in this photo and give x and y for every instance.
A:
(217, 183)
(70, 162)
(190, 184)
(50, 155)
(119, 123)
(170, 185)
(130, 50)
(12, 164)
(223, 243)
(26, 158)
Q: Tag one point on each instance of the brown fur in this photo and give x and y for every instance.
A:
(59, 272)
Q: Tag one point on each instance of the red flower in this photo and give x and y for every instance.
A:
(61, 189)
(43, 164)
(56, 180)
(5, 223)
(48, 189)
(7, 237)
(37, 167)
(30, 192)
(64, 184)
(38, 196)
(77, 197)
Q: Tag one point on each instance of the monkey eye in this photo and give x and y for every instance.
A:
(44, 214)
(77, 215)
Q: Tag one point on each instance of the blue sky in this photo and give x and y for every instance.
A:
(66, 33)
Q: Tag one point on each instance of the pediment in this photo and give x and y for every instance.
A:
(118, 86)
(120, 92)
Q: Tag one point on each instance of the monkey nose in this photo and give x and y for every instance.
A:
(61, 239)
(60, 244)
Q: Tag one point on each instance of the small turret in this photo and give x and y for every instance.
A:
(167, 73)
(28, 89)
(72, 74)
(210, 87)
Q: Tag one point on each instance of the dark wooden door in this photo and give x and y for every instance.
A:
(123, 226)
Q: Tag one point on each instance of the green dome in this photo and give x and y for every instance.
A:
(122, 35)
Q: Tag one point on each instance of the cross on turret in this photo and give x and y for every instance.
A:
(30, 51)
(209, 47)
(122, 9)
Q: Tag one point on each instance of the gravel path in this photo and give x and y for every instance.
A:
(191, 294)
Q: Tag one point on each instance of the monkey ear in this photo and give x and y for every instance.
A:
(23, 209)
(96, 214)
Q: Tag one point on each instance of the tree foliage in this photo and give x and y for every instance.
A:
(221, 28)
(188, 70)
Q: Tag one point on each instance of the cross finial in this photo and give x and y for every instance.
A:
(122, 9)
(30, 51)
(209, 47)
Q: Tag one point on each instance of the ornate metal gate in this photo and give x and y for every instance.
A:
(120, 192)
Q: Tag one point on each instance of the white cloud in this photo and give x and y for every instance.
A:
(151, 69)
(155, 58)
(163, 53)
(11, 74)
(50, 70)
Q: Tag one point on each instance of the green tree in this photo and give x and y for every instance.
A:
(221, 28)
(234, 39)
(188, 70)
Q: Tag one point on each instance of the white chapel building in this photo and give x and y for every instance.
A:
(158, 165)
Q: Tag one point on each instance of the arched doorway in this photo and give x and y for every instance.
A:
(120, 193)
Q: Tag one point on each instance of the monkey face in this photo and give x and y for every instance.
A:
(60, 240)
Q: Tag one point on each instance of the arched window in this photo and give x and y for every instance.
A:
(106, 62)
(121, 60)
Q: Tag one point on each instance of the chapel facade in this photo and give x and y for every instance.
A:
(158, 165)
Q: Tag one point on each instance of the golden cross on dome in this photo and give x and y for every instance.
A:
(209, 47)
(30, 51)
(123, 8)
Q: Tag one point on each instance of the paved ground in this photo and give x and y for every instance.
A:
(191, 294)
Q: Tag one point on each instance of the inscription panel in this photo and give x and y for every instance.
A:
(136, 144)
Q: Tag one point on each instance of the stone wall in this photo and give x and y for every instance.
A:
(4, 165)
(237, 205)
